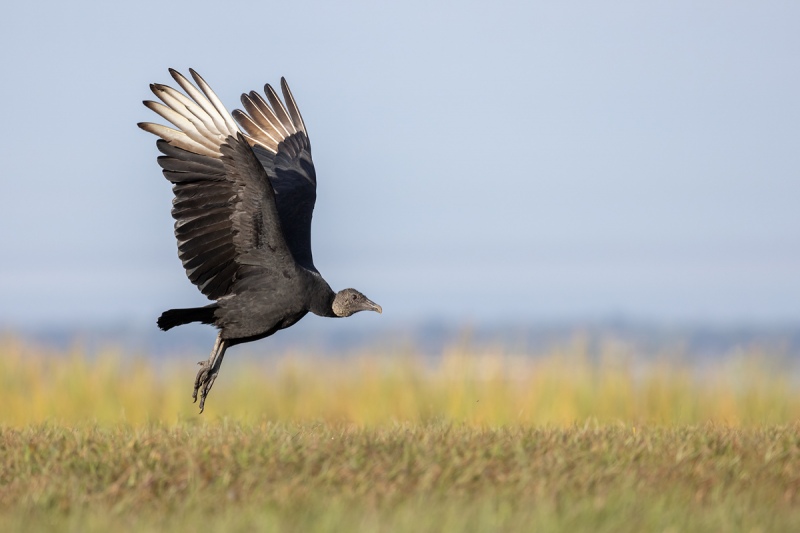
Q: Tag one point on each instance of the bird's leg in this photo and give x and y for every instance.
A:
(209, 370)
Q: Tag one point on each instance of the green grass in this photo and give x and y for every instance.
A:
(430, 477)
(490, 441)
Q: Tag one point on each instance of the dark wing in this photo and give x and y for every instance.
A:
(226, 222)
(279, 139)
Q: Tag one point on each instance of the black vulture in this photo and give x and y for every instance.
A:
(244, 197)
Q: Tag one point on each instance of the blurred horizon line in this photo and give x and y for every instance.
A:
(432, 337)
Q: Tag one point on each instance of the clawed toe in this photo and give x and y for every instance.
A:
(201, 377)
(206, 389)
(208, 372)
(203, 382)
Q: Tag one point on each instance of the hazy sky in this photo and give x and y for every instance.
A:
(476, 161)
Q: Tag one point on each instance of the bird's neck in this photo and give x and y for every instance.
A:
(322, 296)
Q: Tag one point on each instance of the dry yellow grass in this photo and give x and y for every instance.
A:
(487, 388)
(472, 440)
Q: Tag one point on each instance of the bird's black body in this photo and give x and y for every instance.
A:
(244, 199)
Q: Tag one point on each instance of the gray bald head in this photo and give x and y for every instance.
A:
(350, 301)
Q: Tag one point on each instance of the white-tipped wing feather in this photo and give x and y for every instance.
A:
(200, 118)
(260, 129)
(268, 124)
(226, 220)
(189, 109)
(277, 133)
(280, 110)
(192, 130)
(243, 197)
(211, 112)
(203, 121)
(292, 105)
(177, 138)
(212, 97)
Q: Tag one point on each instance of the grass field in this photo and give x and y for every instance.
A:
(469, 441)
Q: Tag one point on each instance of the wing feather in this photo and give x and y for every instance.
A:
(253, 129)
(176, 138)
(187, 107)
(220, 127)
(185, 235)
(167, 149)
(211, 240)
(212, 97)
(215, 282)
(209, 217)
(181, 122)
(206, 167)
(221, 253)
(227, 225)
(294, 111)
(280, 110)
(288, 163)
(264, 117)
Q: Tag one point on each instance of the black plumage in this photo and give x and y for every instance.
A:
(243, 204)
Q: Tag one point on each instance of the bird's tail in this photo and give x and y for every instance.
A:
(178, 317)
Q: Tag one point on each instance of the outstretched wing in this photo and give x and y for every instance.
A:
(226, 221)
(279, 139)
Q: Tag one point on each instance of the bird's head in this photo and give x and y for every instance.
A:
(350, 301)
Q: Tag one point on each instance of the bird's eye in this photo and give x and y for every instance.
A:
(355, 297)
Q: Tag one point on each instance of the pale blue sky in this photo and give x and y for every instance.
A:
(476, 161)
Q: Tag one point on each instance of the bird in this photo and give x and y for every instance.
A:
(244, 188)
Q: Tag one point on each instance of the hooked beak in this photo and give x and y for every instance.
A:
(369, 305)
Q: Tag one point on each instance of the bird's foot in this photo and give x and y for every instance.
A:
(204, 381)
(208, 371)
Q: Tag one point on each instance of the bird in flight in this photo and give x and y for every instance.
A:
(244, 198)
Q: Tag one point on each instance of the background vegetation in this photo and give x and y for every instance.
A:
(472, 440)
